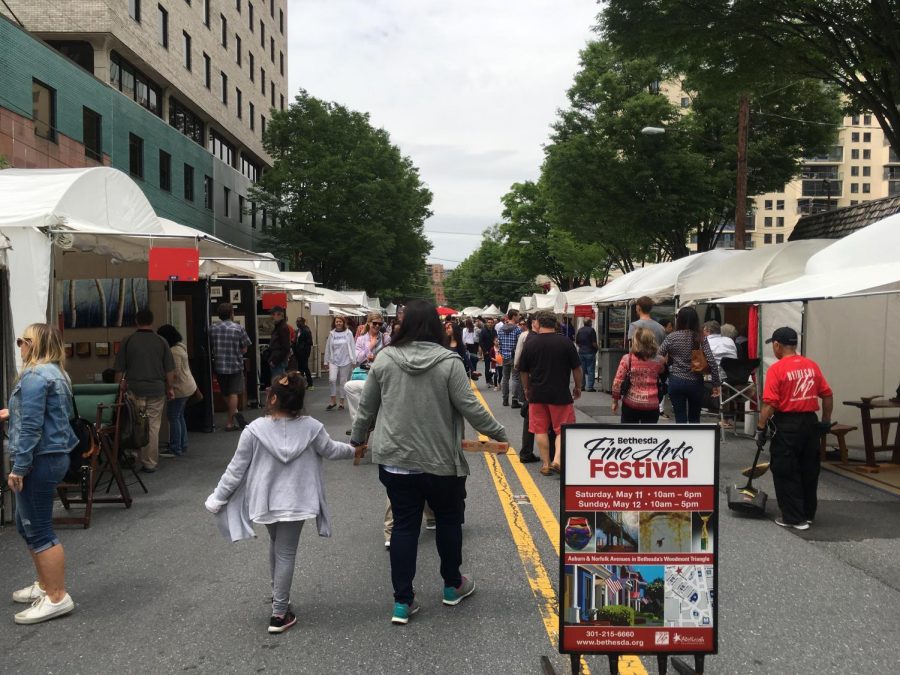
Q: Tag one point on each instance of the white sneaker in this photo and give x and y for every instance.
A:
(44, 610)
(387, 545)
(430, 525)
(29, 594)
(796, 526)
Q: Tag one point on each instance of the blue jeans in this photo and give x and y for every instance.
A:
(278, 369)
(686, 397)
(34, 504)
(177, 426)
(588, 363)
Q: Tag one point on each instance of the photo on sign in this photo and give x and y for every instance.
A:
(703, 532)
(647, 593)
(689, 594)
(579, 532)
(613, 595)
(665, 532)
(618, 531)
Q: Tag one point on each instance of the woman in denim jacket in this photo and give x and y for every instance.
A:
(40, 438)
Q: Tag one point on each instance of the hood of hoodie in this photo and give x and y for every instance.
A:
(507, 327)
(417, 358)
(285, 438)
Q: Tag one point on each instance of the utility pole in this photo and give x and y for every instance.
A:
(740, 199)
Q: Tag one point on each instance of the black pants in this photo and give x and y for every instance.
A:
(635, 416)
(487, 368)
(303, 366)
(795, 465)
(408, 493)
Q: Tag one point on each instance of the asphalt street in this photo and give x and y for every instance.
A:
(158, 590)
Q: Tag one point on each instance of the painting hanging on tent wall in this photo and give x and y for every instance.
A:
(101, 303)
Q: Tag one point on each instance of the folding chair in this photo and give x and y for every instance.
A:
(104, 398)
(738, 387)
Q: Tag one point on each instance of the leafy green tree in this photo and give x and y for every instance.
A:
(850, 44)
(488, 276)
(350, 208)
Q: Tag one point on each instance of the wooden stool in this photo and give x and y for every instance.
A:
(840, 431)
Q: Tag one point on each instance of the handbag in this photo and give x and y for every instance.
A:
(134, 429)
(359, 374)
(662, 383)
(87, 447)
(195, 398)
(625, 387)
(699, 363)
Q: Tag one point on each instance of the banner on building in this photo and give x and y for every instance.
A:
(638, 539)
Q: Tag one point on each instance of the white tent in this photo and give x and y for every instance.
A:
(471, 312)
(567, 300)
(492, 311)
(618, 286)
(748, 270)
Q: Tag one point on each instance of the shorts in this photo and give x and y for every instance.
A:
(541, 416)
(231, 383)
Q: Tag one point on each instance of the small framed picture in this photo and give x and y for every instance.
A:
(116, 347)
(215, 291)
(101, 348)
(234, 296)
(70, 350)
(82, 349)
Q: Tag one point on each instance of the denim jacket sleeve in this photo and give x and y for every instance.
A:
(32, 394)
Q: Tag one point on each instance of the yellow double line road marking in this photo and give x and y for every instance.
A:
(535, 570)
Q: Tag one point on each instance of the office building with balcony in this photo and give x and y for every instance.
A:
(860, 167)
(176, 93)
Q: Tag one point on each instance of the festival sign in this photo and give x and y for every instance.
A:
(639, 539)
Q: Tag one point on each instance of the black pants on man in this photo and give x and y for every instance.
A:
(795, 465)
(303, 366)
(408, 493)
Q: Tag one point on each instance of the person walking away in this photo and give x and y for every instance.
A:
(686, 388)
(275, 479)
(416, 378)
(303, 345)
(526, 450)
(40, 439)
(548, 361)
(340, 357)
(486, 339)
(643, 306)
(146, 364)
(508, 334)
(586, 341)
(183, 387)
(279, 343)
(640, 404)
(229, 341)
(794, 384)
(470, 340)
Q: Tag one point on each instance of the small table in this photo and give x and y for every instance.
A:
(866, 405)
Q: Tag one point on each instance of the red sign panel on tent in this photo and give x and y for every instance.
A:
(173, 264)
(586, 311)
(638, 531)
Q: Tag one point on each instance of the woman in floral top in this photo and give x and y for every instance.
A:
(640, 404)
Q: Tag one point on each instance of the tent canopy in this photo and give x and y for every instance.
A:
(618, 286)
(493, 312)
(864, 262)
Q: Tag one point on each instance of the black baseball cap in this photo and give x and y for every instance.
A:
(785, 336)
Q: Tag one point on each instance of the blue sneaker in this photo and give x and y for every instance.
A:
(402, 612)
(454, 596)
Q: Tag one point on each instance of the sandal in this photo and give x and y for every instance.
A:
(331, 406)
(555, 468)
(546, 471)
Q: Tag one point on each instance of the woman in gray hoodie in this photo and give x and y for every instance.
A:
(421, 395)
(275, 479)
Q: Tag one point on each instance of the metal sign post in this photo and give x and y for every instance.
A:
(639, 541)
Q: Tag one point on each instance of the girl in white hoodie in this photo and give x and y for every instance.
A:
(275, 479)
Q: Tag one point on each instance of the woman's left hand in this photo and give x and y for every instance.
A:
(615, 405)
(15, 482)
(4, 414)
(715, 392)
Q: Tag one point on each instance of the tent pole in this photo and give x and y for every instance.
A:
(52, 318)
(169, 293)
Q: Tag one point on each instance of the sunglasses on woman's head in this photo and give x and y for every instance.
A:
(22, 341)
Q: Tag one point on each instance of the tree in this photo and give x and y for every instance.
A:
(487, 276)
(350, 208)
(849, 43)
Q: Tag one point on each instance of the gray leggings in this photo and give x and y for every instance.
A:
(284, 537)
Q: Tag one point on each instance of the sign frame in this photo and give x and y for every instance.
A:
(714, 444)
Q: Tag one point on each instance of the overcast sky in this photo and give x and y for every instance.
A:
(466, 88)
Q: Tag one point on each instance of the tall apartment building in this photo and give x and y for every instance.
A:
(861, 166)
(437, 275)
(188, 86)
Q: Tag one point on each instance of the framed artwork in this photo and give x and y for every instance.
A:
(234, 296)
(102, 303)
(215, 291)
(101, 348)
(116, 347)
(70, 350)
(82, 349)
(265, 324)
(240, 320)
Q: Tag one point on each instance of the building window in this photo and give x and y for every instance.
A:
(854, 154)
(208, 192)
(281, 63)
(854, 202)
(854, 170)
(854, 137)
(134, 10)
(239, 102)
(281, 21)
(854, 120)
(92, 134)
(189, 182)
(281, 97)
(206, 13)
(768, 221)
(272, 92)
(272, 8)
(249, 168)
(867, 120)
(185, 121)
(207, 71)
(134, 84)
(163, 26)
(779, 221)
(262, 81)
(262, 34)
(767, 238)
(237, 47)
(252, 63)
(779, 238)
(685, 102)
(867, 171)
(251, 113)
(226, 193)
(186, 45)
(165, 171)
(779, 205)
(43, 110)
(272, 50)
(867, 137)
(867, 154)
(136, 156)
(866, 188)
(237, 6)
(250, 15)
(224, 30)
(262, 123)
(768, 205)
(224, 87)
(240, 208)
(854, 188)
(221, 148)
(253, 215)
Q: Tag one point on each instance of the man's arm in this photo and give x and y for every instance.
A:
(764, 415)
(524, 378)
(578, 374)
(827, 408)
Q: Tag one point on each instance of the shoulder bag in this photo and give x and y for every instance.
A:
(86, 447)
(625, 387)
(698, 360)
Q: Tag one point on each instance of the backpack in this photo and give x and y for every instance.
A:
(134, 424)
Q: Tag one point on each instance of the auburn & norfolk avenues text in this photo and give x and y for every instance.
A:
(617, 458)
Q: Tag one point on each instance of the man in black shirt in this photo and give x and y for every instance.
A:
(547, 363)
(486, 340)
(302, 350)
(586, 339)
(279, 343)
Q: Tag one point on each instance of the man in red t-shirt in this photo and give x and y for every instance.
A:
(794, 385)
